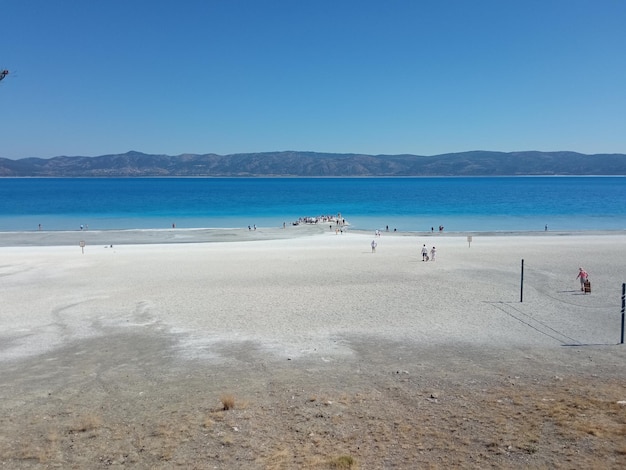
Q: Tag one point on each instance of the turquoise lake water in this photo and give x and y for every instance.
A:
(405, 204)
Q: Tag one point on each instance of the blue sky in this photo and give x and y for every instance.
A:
(375, 77)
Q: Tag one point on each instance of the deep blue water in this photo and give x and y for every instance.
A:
(407, 204)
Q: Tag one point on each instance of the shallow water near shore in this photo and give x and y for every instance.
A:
(403, 204)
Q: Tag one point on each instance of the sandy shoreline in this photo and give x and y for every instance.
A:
(210, 235)
(153, 236)
(306, 314)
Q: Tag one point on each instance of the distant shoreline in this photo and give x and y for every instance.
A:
(134, 164)
(554, 175)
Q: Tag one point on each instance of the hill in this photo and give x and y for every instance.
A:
(312, 164)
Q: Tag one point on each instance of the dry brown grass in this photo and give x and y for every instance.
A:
(228, 401)
(86, 423)
(381, 421)
(343, 462)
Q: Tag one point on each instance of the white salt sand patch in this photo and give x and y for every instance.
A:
(311, 295)
(95, 238)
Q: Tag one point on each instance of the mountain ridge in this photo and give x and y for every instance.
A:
(290, 163)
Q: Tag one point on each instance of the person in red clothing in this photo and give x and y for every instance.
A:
(582, 275)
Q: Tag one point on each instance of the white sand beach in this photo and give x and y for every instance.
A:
(243, 304)
(308, 294)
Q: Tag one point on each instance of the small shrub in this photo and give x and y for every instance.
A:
(228, 402)
(86, 423)
(343, 462)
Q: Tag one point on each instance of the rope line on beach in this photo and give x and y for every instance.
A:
(547, 294)
(543, 324)
(499, 306)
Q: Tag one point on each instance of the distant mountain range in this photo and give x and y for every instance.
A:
(312, 164)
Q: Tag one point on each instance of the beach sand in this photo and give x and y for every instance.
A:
(124, 353)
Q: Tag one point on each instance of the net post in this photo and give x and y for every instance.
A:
(623, 309)
(521, 293)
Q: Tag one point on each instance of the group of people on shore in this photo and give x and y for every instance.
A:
(321, 219)
(433, 253)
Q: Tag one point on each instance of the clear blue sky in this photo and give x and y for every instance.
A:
(376, 77)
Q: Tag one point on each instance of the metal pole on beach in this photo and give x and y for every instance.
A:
(623, 309)
(521, 293)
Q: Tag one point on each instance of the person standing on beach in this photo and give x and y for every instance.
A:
(424, 253)
(582, 275)
(433, 252)
(374, 246)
